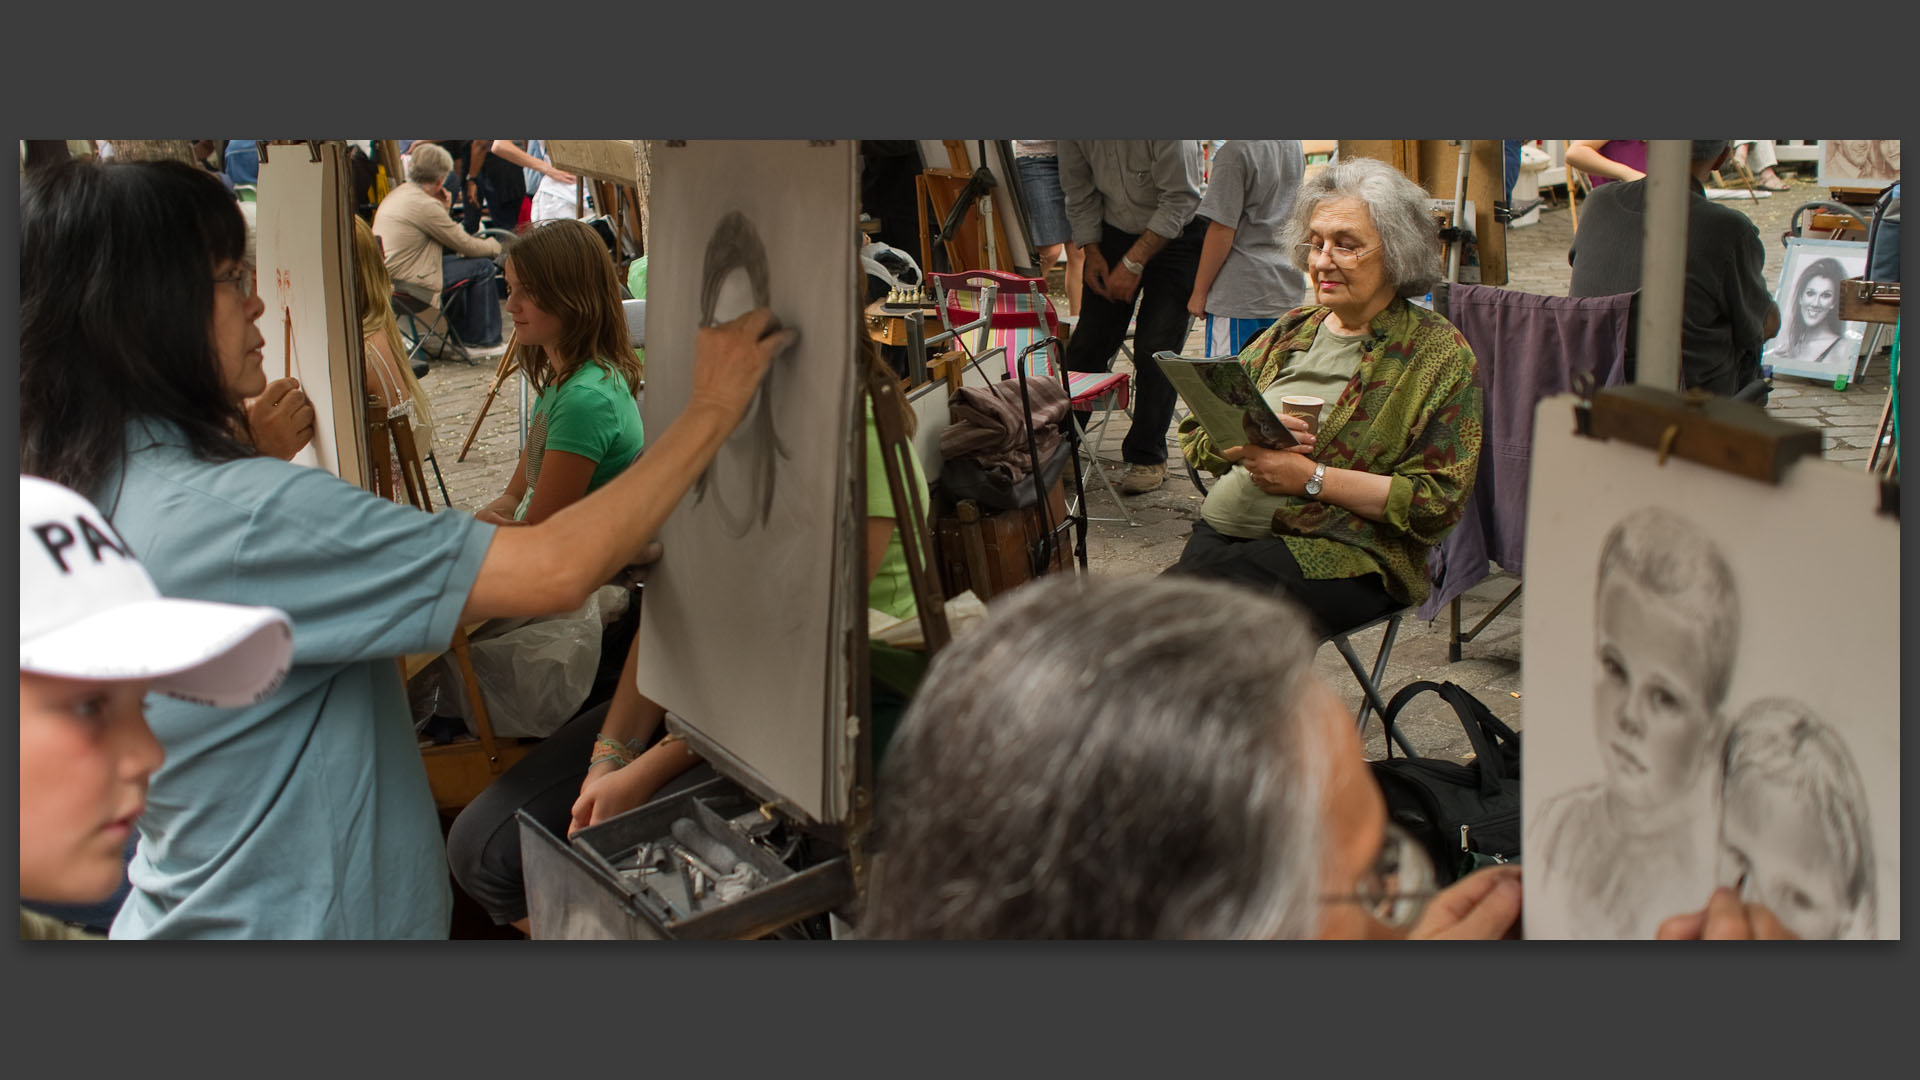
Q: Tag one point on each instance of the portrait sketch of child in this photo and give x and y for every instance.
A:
(1794, 831)
(1620, 855)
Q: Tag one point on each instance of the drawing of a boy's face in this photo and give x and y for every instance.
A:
(1653, 720)
(1774, 850)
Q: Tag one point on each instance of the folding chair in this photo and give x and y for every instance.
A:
(1370, 697)
(420, 321)
(409, 305)
(1529, 347)
(1019, 318)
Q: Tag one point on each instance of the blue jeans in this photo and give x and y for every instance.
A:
(242, 159)
(1162, 326)
(1512, 149)
(473, 310)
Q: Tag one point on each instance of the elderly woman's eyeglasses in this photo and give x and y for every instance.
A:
(1344, 258)
(241, 280)
(1397, 887)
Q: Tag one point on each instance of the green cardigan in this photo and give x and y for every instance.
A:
(1411, 411)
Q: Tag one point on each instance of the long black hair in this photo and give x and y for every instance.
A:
(116, 308)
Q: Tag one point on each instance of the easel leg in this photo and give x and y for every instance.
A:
(499, 377)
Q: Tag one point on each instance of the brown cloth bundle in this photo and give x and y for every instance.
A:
(989, 425)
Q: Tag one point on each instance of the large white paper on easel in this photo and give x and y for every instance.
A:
(1811, 701)
(303, 243)
(743, 636)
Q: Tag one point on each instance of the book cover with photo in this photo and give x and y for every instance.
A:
(1222, 396)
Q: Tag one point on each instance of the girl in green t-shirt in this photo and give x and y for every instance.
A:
(571, 343)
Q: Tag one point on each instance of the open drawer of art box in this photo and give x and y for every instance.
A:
(704, 863)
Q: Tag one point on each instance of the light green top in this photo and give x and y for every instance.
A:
(891, 589)
(1236, 506)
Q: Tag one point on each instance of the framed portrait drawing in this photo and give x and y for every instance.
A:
(1869, 164)
(1813, 343)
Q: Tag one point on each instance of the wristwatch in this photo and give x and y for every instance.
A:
(1134, 268)
(1313, 482)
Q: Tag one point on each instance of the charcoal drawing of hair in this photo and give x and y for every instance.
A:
(1670, 557)
(735, 247)
(1795, 830)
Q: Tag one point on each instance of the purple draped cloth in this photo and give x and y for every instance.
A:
(1525, 347)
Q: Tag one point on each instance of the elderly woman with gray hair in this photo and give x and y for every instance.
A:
(1343, 521)
(1171, 796)
(426, 250)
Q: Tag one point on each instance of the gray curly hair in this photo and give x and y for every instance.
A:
(1052, 780)
(1409, 236)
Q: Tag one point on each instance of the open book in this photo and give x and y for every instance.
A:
(1221, 395)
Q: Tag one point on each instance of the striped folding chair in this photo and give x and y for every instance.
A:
(1022, 316)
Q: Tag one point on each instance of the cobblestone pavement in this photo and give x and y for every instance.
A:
(1490, 665)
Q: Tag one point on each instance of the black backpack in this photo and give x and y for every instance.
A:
(1466, 816)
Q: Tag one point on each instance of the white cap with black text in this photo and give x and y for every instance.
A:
(89, 610)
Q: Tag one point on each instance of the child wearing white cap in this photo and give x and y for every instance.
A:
(95, 637)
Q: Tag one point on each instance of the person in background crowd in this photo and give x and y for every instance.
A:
(1609, 160)
(1728, 312)
(1245, 280)
(429, 255)
(1130, 204)
(1038, 163)
(1758, 155)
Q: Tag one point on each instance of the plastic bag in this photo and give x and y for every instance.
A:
(534, 673)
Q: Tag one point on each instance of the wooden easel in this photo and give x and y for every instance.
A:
(500, 373)
(938, 190)
(1434, 165)
(457, 772)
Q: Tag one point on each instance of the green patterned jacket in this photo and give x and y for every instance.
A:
(1411, 411)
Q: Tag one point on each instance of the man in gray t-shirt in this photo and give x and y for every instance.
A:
(1245, 280)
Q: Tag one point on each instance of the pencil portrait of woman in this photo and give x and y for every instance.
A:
(1812, 333)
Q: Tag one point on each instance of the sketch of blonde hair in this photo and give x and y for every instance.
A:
(1781, 743)
(1679, 564)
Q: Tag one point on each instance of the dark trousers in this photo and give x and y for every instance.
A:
(1267, 564)
(1163, 325)
(503, 187)
(473, 310)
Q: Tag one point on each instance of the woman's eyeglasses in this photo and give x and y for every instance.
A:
(1344, 258)
(241, 280)
(1397, 887)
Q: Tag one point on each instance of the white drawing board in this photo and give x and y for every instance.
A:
(1634, 806)
(303, 246)
(1813, 343)
(743, 636)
